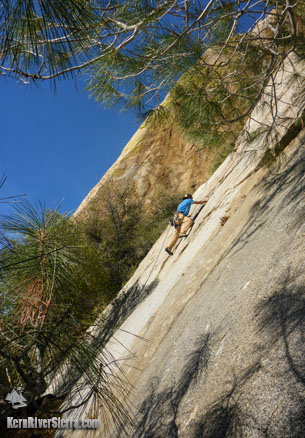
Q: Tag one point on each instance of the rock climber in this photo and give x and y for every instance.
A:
(181, 220)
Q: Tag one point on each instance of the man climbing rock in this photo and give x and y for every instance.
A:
(181, 220)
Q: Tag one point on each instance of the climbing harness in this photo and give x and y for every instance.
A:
(172, 223)
(194, 217)
(177, 219)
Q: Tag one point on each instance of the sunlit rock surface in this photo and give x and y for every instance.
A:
(156, 160)
(212, 338)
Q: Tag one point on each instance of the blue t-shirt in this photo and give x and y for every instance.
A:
(185, 206)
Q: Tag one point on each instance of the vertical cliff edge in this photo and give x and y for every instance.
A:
(155, 160)
(211, 339)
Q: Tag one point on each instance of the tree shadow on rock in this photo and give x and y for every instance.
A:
(80, 391)
(282, 316)
(226, 418)
(120, 309)
(159, 410)
(288, 178)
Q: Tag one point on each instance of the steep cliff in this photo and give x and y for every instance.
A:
(156, 160)
(212, 339)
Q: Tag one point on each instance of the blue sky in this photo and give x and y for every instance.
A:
(57, 146)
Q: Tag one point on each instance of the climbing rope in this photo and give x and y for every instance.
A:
(195, 215)
(155, 262)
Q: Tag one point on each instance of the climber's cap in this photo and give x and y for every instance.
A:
(187, 196)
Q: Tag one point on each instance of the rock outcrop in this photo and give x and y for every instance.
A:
(212, 338)
(156, 160)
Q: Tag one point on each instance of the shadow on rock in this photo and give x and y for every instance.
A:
(241, 411)
(288, 178)
(120, 309)
(159, 410)
(282, 317)
(226, 418)
(81, 391)
(223, 419)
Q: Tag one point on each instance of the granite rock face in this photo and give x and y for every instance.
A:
(155, 160)
(219, 349)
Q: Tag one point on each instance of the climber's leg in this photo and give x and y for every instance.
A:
(175, 237)
(187, 223)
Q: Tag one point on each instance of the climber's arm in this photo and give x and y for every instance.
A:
(201, 202)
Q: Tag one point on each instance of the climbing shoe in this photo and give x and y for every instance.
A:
(169, 251)
(182, 235)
